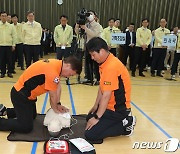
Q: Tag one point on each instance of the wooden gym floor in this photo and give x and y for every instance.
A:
(155, 103)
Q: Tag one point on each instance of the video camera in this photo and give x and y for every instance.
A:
(82, 16)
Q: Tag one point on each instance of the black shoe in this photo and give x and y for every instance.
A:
(133, 74)
(10, 75)
(129, 127)
(2, 76)
(160, 75)
(145, 70)
(22, 68)
(2, 110)
(18, 65)
(152, 74)
(67, 81)
(13, 72)
(79, 79)
(141, 74)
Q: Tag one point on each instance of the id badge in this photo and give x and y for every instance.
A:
(63, 47)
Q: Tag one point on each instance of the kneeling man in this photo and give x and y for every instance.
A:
(39, 78)
(110, 115)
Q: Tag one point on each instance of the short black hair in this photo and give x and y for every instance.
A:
(118, 19)
(131, 23)
(175, 26)
(96, 44)
(3, 12)
(111, 19)
(63, 16)
(93, 12)
(14, 15)
(75, 63)
(145, 19)
(29, 12)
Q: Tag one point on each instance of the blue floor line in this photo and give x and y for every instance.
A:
(71, 99)
(159, 127)
(34, 147)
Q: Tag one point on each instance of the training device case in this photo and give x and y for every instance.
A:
(56, 146)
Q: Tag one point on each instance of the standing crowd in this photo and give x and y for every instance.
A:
(143, 49)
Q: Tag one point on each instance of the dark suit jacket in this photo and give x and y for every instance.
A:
(128, 38)
(46, 40)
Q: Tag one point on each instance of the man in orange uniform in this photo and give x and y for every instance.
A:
(110, 114)
(41, 77)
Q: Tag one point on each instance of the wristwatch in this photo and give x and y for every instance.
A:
(96, 116)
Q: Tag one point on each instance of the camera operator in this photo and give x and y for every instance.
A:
(92, 29)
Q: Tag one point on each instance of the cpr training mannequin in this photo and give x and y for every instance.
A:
(56, 121)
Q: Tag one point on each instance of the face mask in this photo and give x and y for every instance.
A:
(90, 18)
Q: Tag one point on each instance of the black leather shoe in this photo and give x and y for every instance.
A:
(13, 72)
(10, 75)
(22, 68)
(2, 76)
(133, 74)
(152, 74)
(141, 74)
(67, 81)
(159, 75)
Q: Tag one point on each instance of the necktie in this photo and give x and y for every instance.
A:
(163, 29)
(63, 26)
